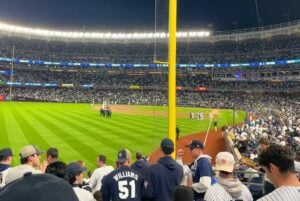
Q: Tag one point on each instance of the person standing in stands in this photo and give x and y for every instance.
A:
(140, 165)
(216, 124)
(278, 164)
(97, 176)
(51, 156)
(5, 163)
(164, 176)
(75, 178)
(228, 187)
(123, 183)
(201, 170)
(264, 143)
(177, 132)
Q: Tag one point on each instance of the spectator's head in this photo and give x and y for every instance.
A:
(51, 155)
(57, 168)
(98, 196)
(6, 156)
(139, 156)
(41, 187)
(183, 193)
(196, 147)
(124, 157)
(30, 155)
(167, 146)
(263, 143)
(277, 162)
(225, 162)
(101, 160)
(81, 163)
(75, 173)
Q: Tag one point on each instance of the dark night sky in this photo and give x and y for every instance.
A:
(138, 15)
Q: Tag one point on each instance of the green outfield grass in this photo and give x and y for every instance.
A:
(80, 133)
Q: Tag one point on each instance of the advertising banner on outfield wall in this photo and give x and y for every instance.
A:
(2, 98)
(67, 85)
(201, 89)
(134, 87)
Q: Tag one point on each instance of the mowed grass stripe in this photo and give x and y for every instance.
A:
(138, 120)
(4, 142)
(53, 140)
(118, 132)
(146, 122)
(79, 124)
(78, 146)
(113, 129)
(117, 125)
(110, 143)
(14, 132)
(32, 135)
(119, 138)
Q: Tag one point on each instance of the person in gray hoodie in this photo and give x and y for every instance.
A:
(228, 186)
(163, 177)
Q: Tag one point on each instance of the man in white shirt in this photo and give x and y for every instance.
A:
(278, 164)
(30, 161)
(97, 176)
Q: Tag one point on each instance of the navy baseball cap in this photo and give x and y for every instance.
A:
(38, 187)
(5, 152)
(123, 155)
(167, 143)
(75, 168)
(195, 144)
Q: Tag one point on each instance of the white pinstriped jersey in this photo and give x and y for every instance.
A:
(217, 193)
(284, 193)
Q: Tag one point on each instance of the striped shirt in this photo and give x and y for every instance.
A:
(286, 193)
(217, 193)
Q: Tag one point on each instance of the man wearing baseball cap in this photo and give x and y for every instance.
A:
(5, 163)
(30, 160)
(201, 170)
(75, 178)
(228, 187)
(123, 183)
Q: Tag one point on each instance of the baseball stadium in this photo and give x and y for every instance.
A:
(90, 93)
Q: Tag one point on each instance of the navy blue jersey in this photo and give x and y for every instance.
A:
(123, 184)
(202, 169)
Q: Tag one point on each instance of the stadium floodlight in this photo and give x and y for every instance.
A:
(93, 35)
(163, 35)
(149, 35)
(182, 34)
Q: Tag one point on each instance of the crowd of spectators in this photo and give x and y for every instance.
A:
(273, 48)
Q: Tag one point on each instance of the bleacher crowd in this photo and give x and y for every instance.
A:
(275, 48)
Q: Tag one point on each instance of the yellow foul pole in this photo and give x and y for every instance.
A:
(172, 70)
